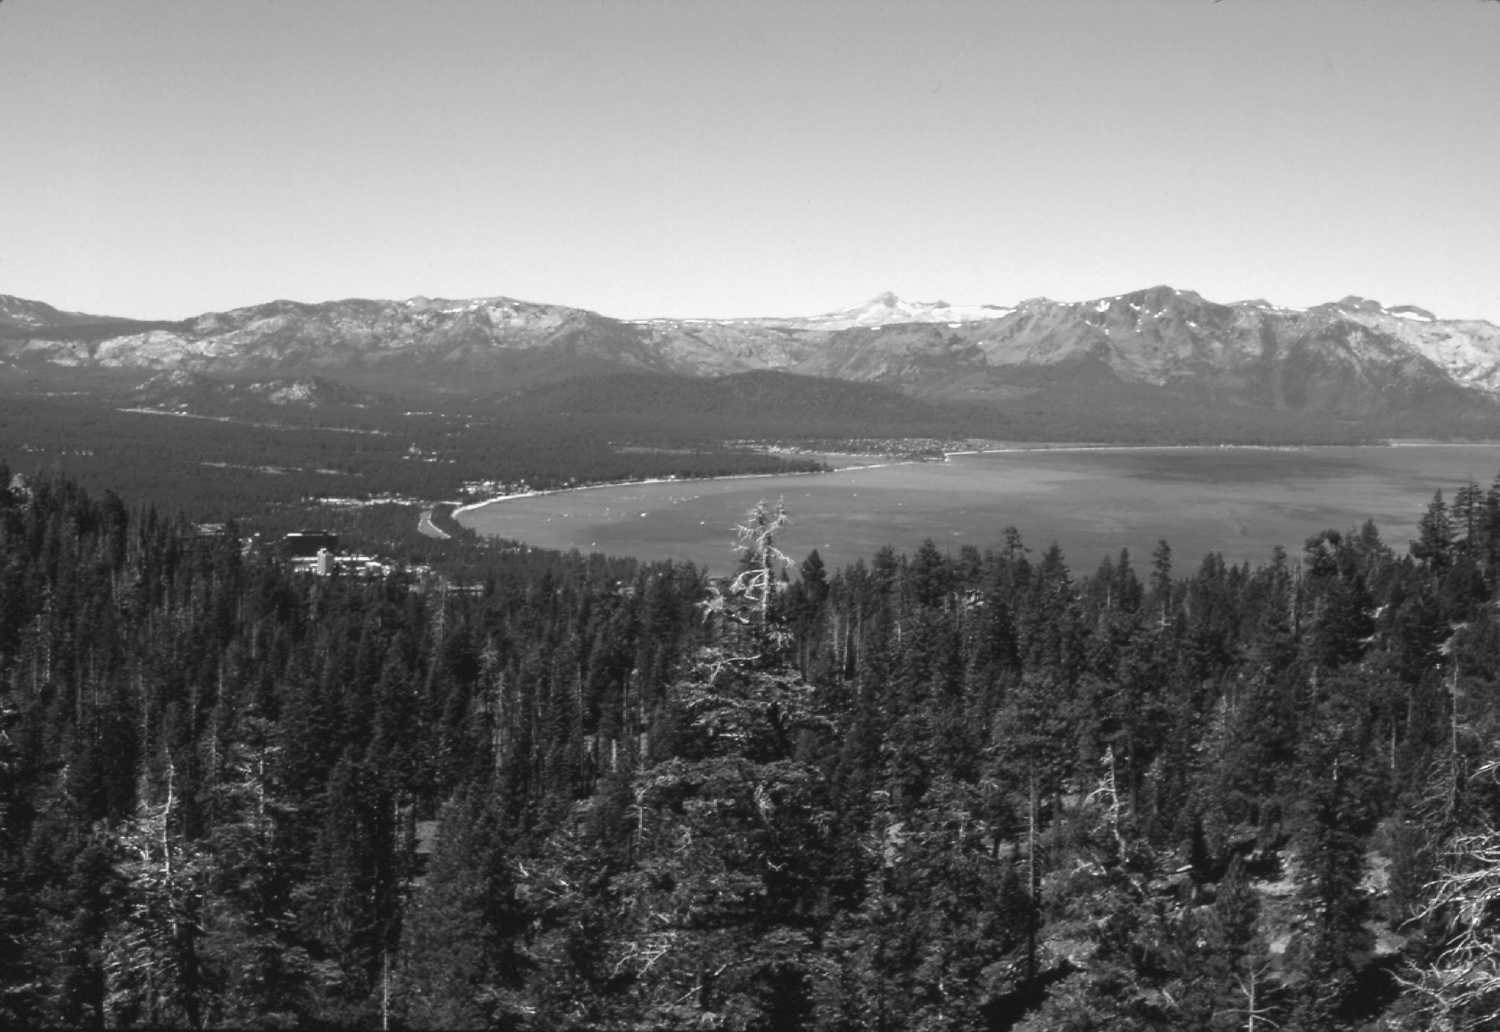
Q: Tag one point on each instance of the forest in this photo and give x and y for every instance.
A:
(931, 791)
(218, 465)
(222, 448)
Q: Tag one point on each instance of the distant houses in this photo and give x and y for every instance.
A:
(315, 552)
(325, 563)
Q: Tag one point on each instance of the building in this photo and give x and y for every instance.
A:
(306, 544)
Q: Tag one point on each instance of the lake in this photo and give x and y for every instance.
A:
(1091, 501)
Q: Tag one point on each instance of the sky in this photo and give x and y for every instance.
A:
(163, 158)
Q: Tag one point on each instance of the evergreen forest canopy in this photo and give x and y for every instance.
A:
(978, 791)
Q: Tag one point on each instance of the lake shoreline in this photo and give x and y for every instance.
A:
(1006, 448)
(1240, 501)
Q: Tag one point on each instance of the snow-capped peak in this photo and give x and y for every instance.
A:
(1412, 312)
(888, 308)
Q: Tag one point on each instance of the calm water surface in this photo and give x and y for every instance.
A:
(1238, 501)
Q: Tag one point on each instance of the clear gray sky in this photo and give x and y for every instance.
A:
(161, 158)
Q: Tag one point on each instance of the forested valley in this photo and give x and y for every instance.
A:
(930, 791)
(248, 461)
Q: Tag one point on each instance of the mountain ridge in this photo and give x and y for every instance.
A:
(1352, 358)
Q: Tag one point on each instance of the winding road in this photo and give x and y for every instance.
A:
(426, 526)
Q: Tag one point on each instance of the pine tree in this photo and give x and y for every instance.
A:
(84, 905)
(1466, 517)
(1434, 545)
(731, 839)
(21, 991)
(152, 957)
(1161, 578)
(351, 903)
(464, 966)
(260, 971)
(1244, 993)
(1335, 815)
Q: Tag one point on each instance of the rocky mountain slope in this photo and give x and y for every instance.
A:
(182, 391)
(1351, 359)
(21, 319)
(19, 314)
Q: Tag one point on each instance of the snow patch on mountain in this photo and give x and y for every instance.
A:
(885, 310)
(1412, 312)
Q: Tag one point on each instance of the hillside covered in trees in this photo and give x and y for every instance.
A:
(979, 791)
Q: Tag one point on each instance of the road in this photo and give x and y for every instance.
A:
(426, 526)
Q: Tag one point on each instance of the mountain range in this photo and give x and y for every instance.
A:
(1352, 360)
